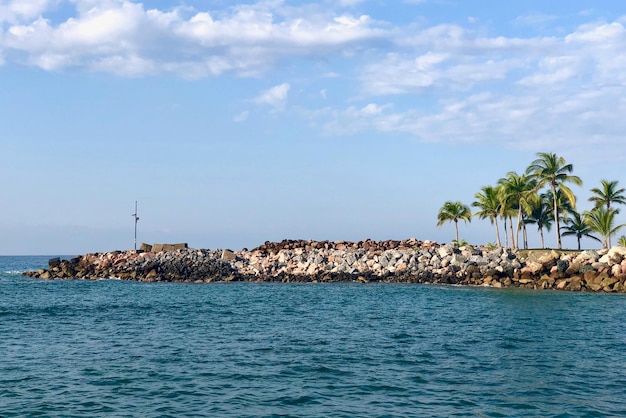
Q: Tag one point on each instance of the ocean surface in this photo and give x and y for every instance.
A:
(128, 349)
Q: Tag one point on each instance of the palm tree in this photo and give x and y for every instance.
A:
(608, 193)
(507, 211)
(577, 226)
(520, 191)
(622, 241)
(563, 204)
(533, 200)
(489, 203)
(551, 170)
(541, 215)
(601, 221)
(453, 211)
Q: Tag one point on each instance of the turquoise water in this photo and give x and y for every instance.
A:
(113, 348)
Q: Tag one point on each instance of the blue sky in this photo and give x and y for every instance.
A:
(235, 123)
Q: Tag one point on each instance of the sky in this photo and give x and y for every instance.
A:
(235, 123)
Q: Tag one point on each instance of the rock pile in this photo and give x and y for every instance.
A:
(169, 266)
(407, 261)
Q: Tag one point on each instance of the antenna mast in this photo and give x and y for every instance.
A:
(134, 215)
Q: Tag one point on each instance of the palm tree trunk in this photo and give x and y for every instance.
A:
(456, 226)
(519, 220)
(513, 242)
(578, 236)
(497, 232)
(525, 235)
(556, 217)
(543, 244)
(506, 232)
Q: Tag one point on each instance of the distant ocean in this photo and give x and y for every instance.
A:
(128, 349)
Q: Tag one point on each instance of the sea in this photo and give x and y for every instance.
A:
(116, 348)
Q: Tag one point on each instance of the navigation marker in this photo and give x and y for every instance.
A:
(134, 215)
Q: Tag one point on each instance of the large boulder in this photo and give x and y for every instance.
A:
(614, 256)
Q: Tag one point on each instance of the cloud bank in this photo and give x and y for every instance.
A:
(124, 38)
(440, 83)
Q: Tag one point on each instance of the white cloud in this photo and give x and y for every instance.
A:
(451, 38)
(33, 36)
(598, 34)
(553, 70)
(241, 117)
(397, 74)
(449, 58)
(17, 10)
(102, 26)
(275, 97)
(354, 119)
(602, 49)
(535, 19)
(448, 82)
(98, 36)
(350, 2)
(245, 39)
(537, 93)
(372, 109)
(532, 120)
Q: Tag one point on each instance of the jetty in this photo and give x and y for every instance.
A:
(367, 261)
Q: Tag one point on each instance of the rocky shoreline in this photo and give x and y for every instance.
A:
(405, 261)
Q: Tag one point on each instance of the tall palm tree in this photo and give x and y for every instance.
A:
(541, 215)
(454, 211)
(563, 204)
(520, 191)
(507, 212)
(607, 194)
(577, 226)
(488, 201)
(601, 220)
(552, 170)
(533, 199)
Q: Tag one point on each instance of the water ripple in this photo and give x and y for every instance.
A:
(112, 348)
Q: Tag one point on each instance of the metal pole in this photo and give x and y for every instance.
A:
(134, 215)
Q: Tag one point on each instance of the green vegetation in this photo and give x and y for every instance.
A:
(541, 196)
(602, 221)
(461, 243)
(489, 202)
(491, 245)
(578, 227)
(551, 170)
(541, 215)
(608, 193)
(454, 211)
(519, 191)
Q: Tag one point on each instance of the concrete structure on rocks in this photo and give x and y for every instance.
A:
(406, 261)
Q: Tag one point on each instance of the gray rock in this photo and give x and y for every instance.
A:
(54, 262)
(228, 255)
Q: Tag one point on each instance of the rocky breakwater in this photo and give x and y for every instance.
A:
(182, 265)
(406, 261)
